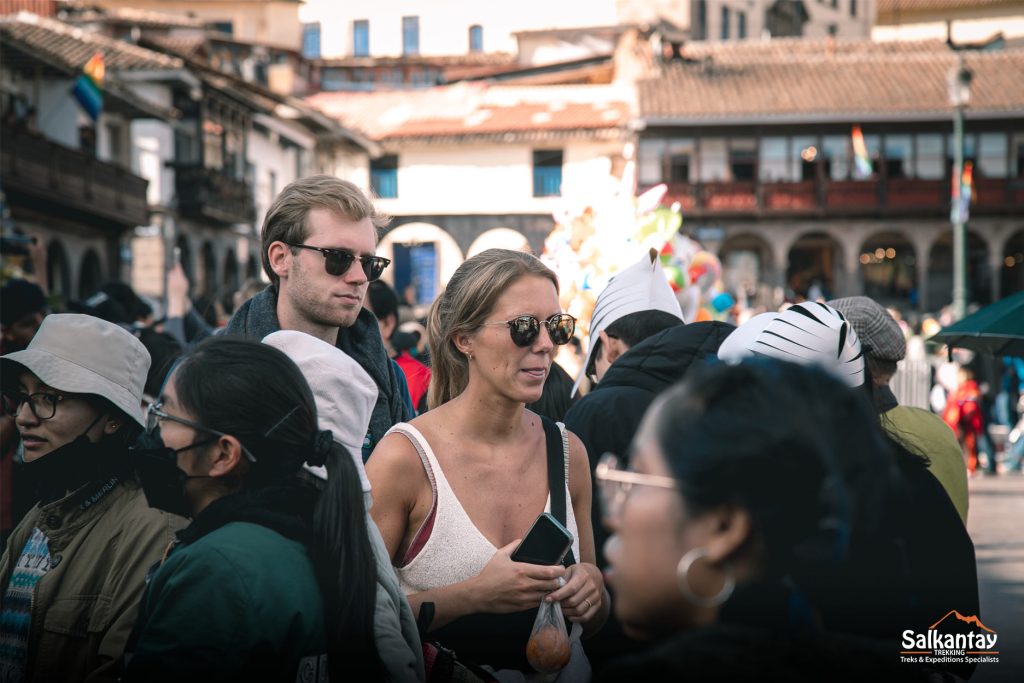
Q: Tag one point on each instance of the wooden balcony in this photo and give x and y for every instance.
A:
(58, 176)
(210, 195)
(890, 198)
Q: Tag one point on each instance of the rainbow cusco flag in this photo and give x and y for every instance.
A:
(861, 160)
(88, 89)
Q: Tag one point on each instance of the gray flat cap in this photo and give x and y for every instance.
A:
(880, 335)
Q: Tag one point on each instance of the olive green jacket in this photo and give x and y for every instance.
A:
(102, 543)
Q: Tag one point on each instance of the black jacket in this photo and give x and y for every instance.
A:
(606, 419)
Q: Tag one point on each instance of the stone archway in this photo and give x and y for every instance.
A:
(184, 254)
(499, 238)
(940, 270)
(747, 267)
(58, 270)
(423, 258)
(230, 283)
(888, 269)
(90, 276)
(815, 266)
(1012, 276)
(209, 285)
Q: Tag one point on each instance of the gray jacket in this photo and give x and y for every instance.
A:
(394, 626)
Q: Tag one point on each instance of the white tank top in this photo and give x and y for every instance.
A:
(456, 550)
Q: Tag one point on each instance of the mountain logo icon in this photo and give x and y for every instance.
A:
(954, 621)
(953, 635)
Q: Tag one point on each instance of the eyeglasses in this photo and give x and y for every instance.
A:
(155, 413)
(42, 404)
(338, 261)
(616, 483)
(525, 328)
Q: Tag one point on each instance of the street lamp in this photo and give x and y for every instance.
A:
(959, 97)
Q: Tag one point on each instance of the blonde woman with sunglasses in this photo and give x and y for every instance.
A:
(457, 489)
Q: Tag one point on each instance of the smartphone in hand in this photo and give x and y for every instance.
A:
(545, 543)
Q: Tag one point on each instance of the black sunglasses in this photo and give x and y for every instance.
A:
(338, 261)
(525, 328)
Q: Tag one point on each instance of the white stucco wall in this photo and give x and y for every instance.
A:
(58, 112)
(444, 24)
(267, 156)
(276, 23)
(964, 30)
(492, 179)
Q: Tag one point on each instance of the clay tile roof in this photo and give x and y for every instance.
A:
(70, 48)
(896, 7)
(795, 79)
(183, 46)
(478, 111)
(143, 18)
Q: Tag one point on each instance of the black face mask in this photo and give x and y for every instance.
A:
(162, 480)
(69, 467)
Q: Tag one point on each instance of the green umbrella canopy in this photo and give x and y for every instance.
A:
(997, 329)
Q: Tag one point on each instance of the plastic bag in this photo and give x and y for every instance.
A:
(548, 650)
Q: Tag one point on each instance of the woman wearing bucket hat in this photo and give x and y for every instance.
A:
(73, 571)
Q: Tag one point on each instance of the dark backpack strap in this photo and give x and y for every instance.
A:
(557, 476)
(425, 619)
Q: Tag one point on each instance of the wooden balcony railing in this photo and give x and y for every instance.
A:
(209, 194)
(69, 178)
(893, 197)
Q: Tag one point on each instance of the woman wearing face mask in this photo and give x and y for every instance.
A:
(73, 571)
(456, 489)
(270, 581)
(746, 482)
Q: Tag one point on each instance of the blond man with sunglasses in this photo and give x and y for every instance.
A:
(318, 243)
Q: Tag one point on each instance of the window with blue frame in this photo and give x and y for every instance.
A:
(361, 38)
(311, 41)
(741, 25)
(547, 173)
(384, 176)
(726, 16)
(410, 35)
(476, 38)
(227, 27)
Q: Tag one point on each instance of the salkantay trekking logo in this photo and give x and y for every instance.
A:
(953, 639)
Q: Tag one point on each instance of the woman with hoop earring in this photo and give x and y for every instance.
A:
(739, 493)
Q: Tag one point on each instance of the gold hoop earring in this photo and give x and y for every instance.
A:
(683, 578)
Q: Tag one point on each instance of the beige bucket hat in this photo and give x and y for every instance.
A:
(82, 354)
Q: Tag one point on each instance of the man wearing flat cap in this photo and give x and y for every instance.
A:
(920, 431)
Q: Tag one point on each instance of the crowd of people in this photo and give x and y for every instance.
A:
(317, 492)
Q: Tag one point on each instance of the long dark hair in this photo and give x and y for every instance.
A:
(797, 449)
(258, 395)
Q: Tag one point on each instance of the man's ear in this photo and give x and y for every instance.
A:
(611, 347)
(388, 325)
(227, 457)
(280, 256)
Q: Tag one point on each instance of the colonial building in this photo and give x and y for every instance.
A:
(759, 144)
(70, 179)
(472, 166)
